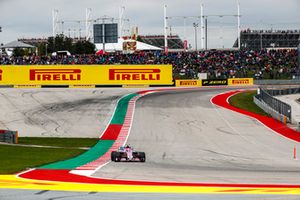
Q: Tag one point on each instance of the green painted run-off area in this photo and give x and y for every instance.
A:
(101, 147)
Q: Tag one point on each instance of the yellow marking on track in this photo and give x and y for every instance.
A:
(13, 182)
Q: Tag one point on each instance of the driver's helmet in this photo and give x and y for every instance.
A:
(127, 146)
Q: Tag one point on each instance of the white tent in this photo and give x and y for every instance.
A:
(16, 44)
(8, 48)
(111, 47)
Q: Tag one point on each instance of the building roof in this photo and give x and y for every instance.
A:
(17, 44)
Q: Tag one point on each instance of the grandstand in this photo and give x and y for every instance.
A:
(174, 41)
(262, 39)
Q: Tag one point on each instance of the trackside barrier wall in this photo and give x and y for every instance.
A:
(135, 86)
(8, 136)
(188, 83)
(85, 75)
(240, 81)
(214, 82)
(278, 109)
(91, 76)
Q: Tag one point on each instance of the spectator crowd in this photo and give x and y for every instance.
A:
(217, 64)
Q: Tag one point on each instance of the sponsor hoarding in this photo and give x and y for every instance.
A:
(82, 86)
(214, 82)
(86, 75)
(135, 86)
(129, 46)
(188, 83)
(240, 81)
(27, 86)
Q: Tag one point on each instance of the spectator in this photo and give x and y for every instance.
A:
(217, 64)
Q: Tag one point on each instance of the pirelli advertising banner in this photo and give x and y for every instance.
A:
(188, 83)
(240, 81)
(86, 75)
(214, 82)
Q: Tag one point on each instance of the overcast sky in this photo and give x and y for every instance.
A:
(33, 18)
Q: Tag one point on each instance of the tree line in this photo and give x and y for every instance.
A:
(59, 43)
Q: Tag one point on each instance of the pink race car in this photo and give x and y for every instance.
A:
(127, 153)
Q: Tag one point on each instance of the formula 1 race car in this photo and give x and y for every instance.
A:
(127, 153)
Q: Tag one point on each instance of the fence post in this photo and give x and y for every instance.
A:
(284, 119)
(17, 137)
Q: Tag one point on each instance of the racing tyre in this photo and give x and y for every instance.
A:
(142, 157)
(114, 156)
(117, 159)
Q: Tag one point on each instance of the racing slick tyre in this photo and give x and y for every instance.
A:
(142, 157)
(115, 156)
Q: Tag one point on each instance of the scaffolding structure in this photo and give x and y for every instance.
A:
(83, 29)
(203, 25)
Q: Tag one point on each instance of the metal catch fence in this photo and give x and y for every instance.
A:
(282, 108)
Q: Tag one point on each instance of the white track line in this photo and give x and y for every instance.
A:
(90, 168)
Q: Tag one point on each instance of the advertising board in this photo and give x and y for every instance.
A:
(214, 82)
(86, 75)
(188, 83)
(240, 81)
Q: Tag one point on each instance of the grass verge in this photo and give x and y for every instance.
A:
(58, 142)
(244, 100)
(18, 158)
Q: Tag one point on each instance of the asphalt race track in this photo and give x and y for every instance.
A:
(186, 139)
(58, 112)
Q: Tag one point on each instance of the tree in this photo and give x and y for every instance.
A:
(59, 42)
(79, 48)
(19, 52)
(68, 44)
(139, 38)
(84, 47)
(42, 49)
(51, 46)
(89, 48)
(62, 43)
